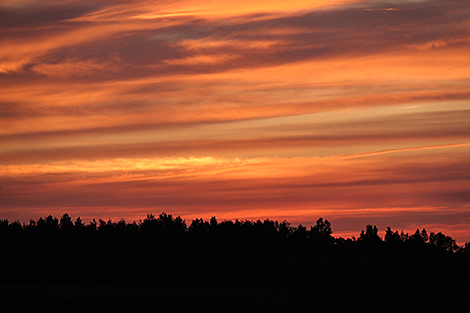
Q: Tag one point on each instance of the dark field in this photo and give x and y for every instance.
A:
(310, 296)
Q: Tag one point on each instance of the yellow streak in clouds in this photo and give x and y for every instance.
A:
(131, 164)
(366, 154)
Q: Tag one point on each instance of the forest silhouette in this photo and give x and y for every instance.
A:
(165, 249)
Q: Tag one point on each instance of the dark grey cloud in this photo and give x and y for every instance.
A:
(350, 30)
(43, 13)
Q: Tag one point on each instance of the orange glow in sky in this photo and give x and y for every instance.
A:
(354, 111)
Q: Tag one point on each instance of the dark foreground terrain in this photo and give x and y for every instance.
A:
(228, 266)
(244, 296)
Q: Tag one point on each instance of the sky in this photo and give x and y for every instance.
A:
(354, 111)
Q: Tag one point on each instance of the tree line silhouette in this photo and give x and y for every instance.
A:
(166, 249)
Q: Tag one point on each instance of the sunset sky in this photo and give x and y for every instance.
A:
(354, 111)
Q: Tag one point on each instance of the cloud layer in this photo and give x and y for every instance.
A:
(349, 110)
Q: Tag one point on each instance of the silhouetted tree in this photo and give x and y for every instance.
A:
(418, 239)
(403, 236)
(321, 229)
(78, 225)
(300, 232)
(370, 235)
(424, 235)
(284, 228)
(66, 224)
(465, 248)
(442, 242)
(48, 226)
(392, 237)
(91, 226)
